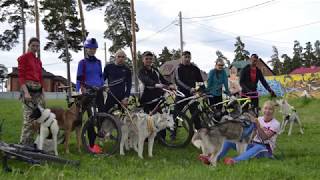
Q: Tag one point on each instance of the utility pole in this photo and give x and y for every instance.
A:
(105, 53)
(37, 23)
(67, 58)
(181, 35)
(83, 27)
(134, 53)
(23, 27)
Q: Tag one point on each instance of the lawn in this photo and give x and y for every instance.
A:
(301, 156)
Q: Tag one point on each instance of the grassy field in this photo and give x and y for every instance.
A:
(301, 156)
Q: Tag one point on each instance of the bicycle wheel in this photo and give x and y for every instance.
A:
(108, 134)
(183, 133)
(48, 158)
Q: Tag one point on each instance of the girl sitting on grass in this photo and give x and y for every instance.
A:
(264, 143)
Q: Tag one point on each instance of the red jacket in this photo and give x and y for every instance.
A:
(29, 68)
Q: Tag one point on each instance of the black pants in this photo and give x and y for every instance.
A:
(193, 108)
(214, 100)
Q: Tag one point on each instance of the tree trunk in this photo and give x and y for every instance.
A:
(23, 27)
(83, 27)
(36, 10)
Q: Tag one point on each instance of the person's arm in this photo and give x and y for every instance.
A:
(264, 82)
(264, 134)
(179, 81)
(79, 76)
(198, 74)
(128, 81)
(22, 75)
(225, 82)
(210, 80)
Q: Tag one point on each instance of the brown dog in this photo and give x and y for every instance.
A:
(70, 120)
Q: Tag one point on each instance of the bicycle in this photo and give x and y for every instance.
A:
(106, 127)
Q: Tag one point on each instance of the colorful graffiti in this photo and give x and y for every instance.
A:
(294, 85)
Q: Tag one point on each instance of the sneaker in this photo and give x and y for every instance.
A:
(96, 149)
(229, 161)
(204, 159)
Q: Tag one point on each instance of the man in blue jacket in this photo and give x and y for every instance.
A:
(118, 77)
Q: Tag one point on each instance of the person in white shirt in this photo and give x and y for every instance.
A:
(264, 143)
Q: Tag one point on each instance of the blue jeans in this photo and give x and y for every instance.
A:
(253, 150)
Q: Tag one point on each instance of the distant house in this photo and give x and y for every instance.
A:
(51, 81)
(167, 70)
(303, 70)
(265, 69)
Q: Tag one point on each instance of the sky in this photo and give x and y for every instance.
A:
(260, 24)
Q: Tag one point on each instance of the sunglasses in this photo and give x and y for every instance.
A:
(148, 58)
(121, 56)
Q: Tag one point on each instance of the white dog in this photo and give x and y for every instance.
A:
(290, 115)
(48, 123)
(141, 127)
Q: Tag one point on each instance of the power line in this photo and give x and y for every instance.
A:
(230, 12)
(157, 32)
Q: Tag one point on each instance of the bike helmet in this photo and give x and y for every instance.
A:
(91, 43)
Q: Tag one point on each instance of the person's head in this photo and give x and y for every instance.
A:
(268, 109)
(186, 57)
(254, 60)
(91, 46)
(219, 65)
(147, 59)
(120, 57)
(233, 71)
(34, 45)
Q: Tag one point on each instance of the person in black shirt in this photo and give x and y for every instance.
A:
(152, 82)
(186, 76)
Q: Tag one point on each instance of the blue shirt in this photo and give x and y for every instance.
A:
(216, 80)
(89, 72)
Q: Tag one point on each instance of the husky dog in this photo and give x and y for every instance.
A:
(290, 115)
(48, 124)
(238, 129)
(142, 126)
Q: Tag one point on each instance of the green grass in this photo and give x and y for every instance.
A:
(301, 156)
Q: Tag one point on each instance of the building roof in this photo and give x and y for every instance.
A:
(303, 70)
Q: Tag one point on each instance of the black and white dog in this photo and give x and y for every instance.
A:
(48, 123)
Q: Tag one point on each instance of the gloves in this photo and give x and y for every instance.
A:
(272, 93)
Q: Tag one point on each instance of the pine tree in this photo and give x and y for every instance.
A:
(221, 56)
(240, 53)
(165, 56)
(316, 53)
(297, 56)
(118, 19)
(308, 55)
(3, 75)
(176, 54)
(55, 12)
(14, 13)
(287, 64)
(275, 61)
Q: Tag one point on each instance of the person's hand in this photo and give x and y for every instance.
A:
(27, 96)
(272, 93)
(83, 90)
(160, 86)
(125, 102)
(192, 90)
(172, 87)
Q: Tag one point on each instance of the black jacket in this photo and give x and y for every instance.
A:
(149, 79)
(186, 77)
(247, 85)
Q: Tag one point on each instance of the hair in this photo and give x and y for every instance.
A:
(269, 103)
(219, 61)
(33, 39)
(186, 53)
(120, 51)
(255, 56)
(147, 53)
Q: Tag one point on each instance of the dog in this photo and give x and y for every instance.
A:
(290, 115)
(238, 129)
(48, 124)
(70, 120)
(139, 127)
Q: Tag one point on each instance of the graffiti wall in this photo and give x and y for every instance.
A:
(294, 85)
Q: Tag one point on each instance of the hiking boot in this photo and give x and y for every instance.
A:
(96, 149)
(229, 161)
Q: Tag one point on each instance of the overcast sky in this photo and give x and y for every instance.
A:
(277, 22)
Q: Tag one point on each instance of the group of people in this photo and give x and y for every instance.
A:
(118, 77)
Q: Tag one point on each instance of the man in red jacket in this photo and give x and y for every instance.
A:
(31, 83)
